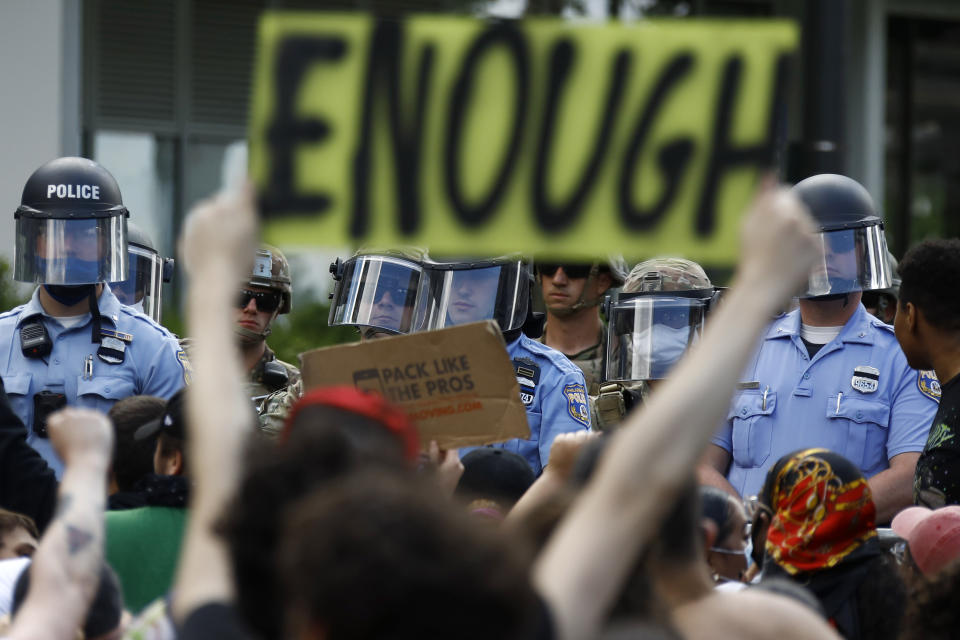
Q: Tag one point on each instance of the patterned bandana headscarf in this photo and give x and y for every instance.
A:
(823, 511)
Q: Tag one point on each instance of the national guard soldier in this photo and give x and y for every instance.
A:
(572, 295)
(264, 296)
(651, 323)
(74, 343)
(829, 374)
(147, 272)
(551, 387)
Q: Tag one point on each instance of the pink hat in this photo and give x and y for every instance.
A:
(932, 535)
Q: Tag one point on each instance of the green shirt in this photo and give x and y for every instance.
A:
(143, 547)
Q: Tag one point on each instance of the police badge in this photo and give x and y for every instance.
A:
(865, 379)
(929, 385)
(576, 396)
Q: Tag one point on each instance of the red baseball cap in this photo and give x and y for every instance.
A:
(933, 535)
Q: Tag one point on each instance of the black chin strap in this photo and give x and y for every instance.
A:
(95, 336)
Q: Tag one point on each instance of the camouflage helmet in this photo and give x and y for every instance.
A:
(666, 274)
(272, 271)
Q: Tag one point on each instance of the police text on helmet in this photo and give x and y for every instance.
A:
(74, 191)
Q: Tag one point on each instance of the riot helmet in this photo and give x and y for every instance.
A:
(854, 248)
(147, 272)
(71, 226)
(378, 291)
(657, 316)
(463, 291)
(882, 303)
(272, 272)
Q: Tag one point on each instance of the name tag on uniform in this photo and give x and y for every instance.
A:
(865, 379)
(112, 350)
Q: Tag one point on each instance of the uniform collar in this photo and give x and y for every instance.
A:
(108, 303)
(856, 330)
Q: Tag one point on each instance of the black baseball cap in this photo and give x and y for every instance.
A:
(171, 422)
(496, 474)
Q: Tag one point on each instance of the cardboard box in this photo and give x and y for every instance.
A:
(457, 385)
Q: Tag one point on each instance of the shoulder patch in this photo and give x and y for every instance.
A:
(928, 384)
(185, 365)
(576, 396)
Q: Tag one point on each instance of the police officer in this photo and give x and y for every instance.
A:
(262, 297)
(552, 388)
(650, 324)
(572, 295)
(73, 343)
(147, 272)
(829, 374)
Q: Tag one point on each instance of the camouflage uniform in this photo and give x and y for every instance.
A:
(272, 410)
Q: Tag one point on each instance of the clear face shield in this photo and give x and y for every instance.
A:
(648, 333)
(460, 294)
(851, 260)
(141, 290)
(70, 251)
(378, 292)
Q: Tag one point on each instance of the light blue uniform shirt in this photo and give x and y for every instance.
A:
(153, 363)
(787, 401)
(555, 395)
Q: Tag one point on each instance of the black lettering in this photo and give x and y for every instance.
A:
(467, 383)
(507, 35)
(431, 387)
(673, 157)
(723, 155)
(295, 56)
(456, 384)
(464, 363)
(558, 218)
(442, 385)
(383, 73)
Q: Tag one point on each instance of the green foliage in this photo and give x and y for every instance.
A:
(10, 293)
(304, 329)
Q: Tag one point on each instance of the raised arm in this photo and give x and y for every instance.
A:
(658, 447)
(217, 245)
(66, 566)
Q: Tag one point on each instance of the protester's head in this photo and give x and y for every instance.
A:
(933, 536)
(493, 480)
(18, 535)
(823, 511)
(133, 458)
(933, 612)
(329, 434)
(381, 558)
(726, 533)
(170, 431)
(569, 287)
(263, 296)
(927, 273)
(105, 615)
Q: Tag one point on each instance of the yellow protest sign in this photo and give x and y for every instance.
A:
(473, 137)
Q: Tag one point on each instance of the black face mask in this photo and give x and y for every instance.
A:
(68, 295)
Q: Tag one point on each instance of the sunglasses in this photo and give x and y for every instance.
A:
(398, 295)
(268, 301)
(572, 270)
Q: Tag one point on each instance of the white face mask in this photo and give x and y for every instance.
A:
(656, 349)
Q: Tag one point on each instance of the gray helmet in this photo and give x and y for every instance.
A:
(272, 271)
(147, 272)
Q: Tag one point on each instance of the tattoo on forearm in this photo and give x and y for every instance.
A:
(77, 539)
(63, 505)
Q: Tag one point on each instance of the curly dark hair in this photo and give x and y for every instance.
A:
(132, 458)
(378, 558)
(934, 607)
(929, 273)
(326, 444)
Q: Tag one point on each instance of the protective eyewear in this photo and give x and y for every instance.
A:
(573, 271)
(398, 294)
(268, 301)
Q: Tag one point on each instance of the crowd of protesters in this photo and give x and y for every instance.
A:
(198, 490)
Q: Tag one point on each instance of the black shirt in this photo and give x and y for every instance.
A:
(937, 481)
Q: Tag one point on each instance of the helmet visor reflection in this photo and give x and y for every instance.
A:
(71, 250)
(379, 292)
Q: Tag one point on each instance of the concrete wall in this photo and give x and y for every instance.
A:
(40, 65)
